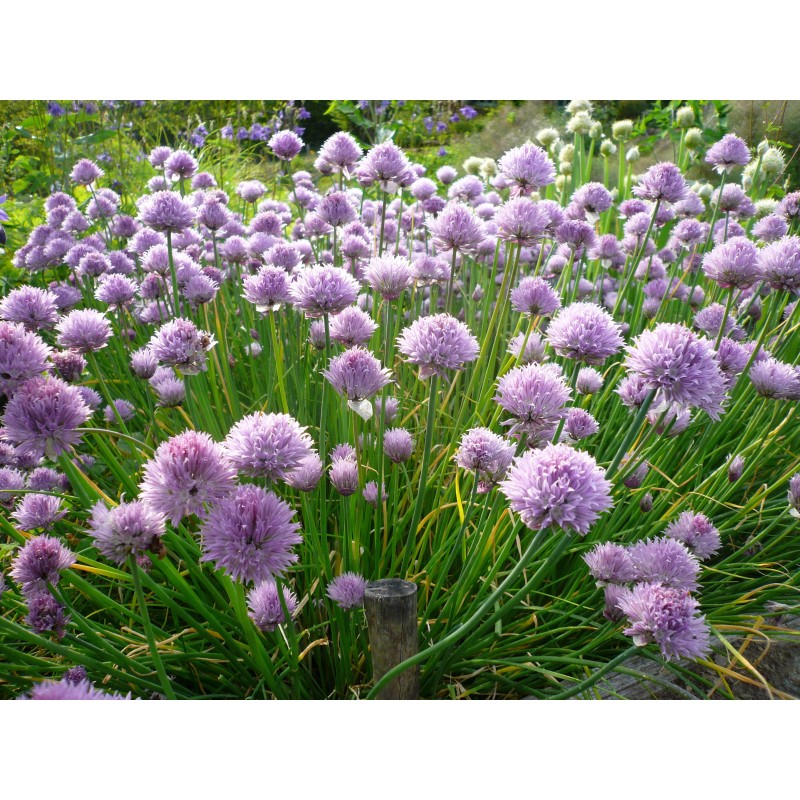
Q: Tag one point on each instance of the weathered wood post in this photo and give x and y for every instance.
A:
(391, 607)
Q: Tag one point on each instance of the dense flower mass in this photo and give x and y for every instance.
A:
(180, 344)
(250, 534)
(557, 486)
(318, 291)
(585, 332)
(438, 344)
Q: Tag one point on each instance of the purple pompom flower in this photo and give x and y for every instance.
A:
(557, 486)
(181, 344)
(23, 356)
(347, 590)
(775, 379)
(733, 264)
(266, 609)
(68, 365)
(251, 191)
(127, 529)
(180, 165)
(386, 165)
(679, 366)
(38, 511)
(84, 330)
(437, 344)
(336, 209)
(357, 375)
(116, 291)
(666, 561)
(323, 290)
(398, 444)
(370, 493)
(536, 297)
(250, 534)
(610, 563)
(340, 151)
(66, 689)
(780, 264)
(589, 381)
(696, 532)
(268, 289)
(43, 415)
(85, 172)
(45, 613)
(344, 476)
(352, 327)
(39, 563)
(526, 169)
(10, 480)
(269, 445)
(579, 424)
(535, 395)
(30, 306)
(186, 473)
(663, 181)
(306, 477)
(585, 332)
(285, 145)
(534, 348)
(485, 453)
(771, 228)
(667, 617)
(457, 228)
(728, 153)
(522, 221)
(389, 275)
(166, 211)
(593, 199)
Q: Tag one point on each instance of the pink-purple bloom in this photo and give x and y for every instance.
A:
(585, 332)
(265, 607)
(322, 290)
(437, 344)
(347, 590)
(696, 532)
(84, 330)
(127, 529)
(39, 563)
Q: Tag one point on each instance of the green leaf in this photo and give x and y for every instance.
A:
(96, 137)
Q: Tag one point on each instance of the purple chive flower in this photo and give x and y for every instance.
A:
(85, 172)
(44, 479)
(38, 511)
(371, 493)
(123, 409)
(437, 344)
(84, 330)
(389, 275)
(485, 453)
(667, 617)
(251, 191)
(690, 232)
(780, 264)
(612, 594)
(344, 476)
(430, 269)
(180, 165)
(323, 290)
(357, 375)
(535, 396)
(340, 151)
(266, 609)
(43, 415)
(775, 379)
(589, 381)
(386, 165)
(166, 211)
(679, 366)
(666, 561)
(456, 228)
(347, 590)
(579, 424)
(186, 472)
(536, 297)
(268, 289)
(610, 563)
(45, 613)
(116, 291)
(336, 209)
(663, 181)
(709, 320)
(771, 228)
(127, 529)
(69, 690)
(593, 199)
(735, 468)
(534, 348)
(522, 221)
(557, 486)
(728, 153)
(10, 479)
(352, 327)
(316, 334)
(39, 562)
(23, 356)
(250, 534)
(696, 532)
(526, 169)
(733, 264)
(269, 445)
(398, 444)
(306, 477)
(144, 363)
(180, 344)
(285, 145)
(446, 174)
(30, 306)
(388, 410)
(585, 332)
(793, 495)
